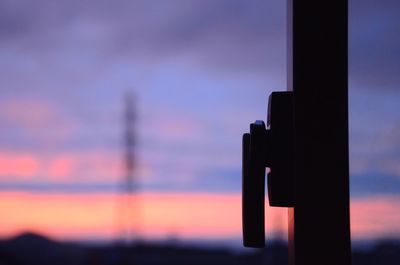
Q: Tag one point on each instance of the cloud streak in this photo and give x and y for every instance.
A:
(162, 215)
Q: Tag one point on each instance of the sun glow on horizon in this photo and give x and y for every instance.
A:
(165, 215)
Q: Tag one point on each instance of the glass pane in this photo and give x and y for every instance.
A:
(197, 73)
(374, 125)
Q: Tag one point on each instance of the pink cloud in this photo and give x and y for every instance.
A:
(60, 167)
(37, 120)
(375, 216)
(28, 113)
(174, 125)
(64, 167)
(18, 166)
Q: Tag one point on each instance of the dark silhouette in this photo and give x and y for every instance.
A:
(306, 147)
(32, 249)
(273, 148)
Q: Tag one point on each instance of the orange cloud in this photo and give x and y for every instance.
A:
(160, 215)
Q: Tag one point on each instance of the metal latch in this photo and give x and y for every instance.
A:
(272, 147)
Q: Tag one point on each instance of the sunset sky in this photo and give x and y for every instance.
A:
(201, 71)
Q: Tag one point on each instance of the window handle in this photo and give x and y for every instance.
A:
(271, 147)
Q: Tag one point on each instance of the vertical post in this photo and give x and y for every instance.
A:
(319, 225)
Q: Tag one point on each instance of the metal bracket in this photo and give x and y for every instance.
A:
(270, 147)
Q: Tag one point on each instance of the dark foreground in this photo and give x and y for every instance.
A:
(37, 250)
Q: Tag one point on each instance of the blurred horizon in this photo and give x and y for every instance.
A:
(200, 71)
